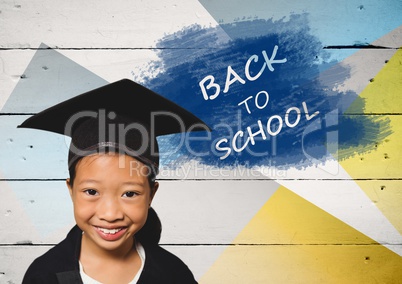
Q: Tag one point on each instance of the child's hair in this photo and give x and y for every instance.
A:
(150, 233)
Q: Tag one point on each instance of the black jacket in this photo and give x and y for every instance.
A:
(60, 265)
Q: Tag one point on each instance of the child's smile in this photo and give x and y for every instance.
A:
(111, 234)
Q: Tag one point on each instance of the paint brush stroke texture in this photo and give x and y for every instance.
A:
(296, 84)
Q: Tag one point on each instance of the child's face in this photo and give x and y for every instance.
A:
(111, 196)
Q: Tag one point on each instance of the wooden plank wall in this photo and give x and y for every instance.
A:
(336, 222)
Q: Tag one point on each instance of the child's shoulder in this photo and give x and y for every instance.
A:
(60, 258)
(162, 263)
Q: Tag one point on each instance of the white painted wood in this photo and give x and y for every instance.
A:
(192, 212)
(201, 211)
(15, 260)
(93, 24)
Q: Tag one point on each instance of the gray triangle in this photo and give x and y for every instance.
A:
(50, 78)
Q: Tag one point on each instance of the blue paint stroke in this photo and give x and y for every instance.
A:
(199, 52)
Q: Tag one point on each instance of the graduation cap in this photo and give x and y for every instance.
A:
(123, 117)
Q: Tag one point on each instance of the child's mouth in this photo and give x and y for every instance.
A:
(109, 231)
(111, 234)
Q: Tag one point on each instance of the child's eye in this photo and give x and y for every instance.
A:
(91, 192)
(129, 194)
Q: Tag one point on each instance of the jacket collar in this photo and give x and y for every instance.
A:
(73, 244)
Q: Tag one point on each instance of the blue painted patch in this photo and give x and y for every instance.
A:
(292, 86)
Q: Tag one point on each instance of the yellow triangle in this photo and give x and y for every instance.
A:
(384, 162)
(290, 240)
(383, 93)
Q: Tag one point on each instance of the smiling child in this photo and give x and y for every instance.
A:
(113, 162)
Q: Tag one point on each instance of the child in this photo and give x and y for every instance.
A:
(113, 161)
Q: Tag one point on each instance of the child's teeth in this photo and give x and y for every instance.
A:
(107, 231)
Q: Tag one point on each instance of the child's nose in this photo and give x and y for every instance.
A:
(110, 210)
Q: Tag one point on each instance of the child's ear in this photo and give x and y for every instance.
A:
(70, 188)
